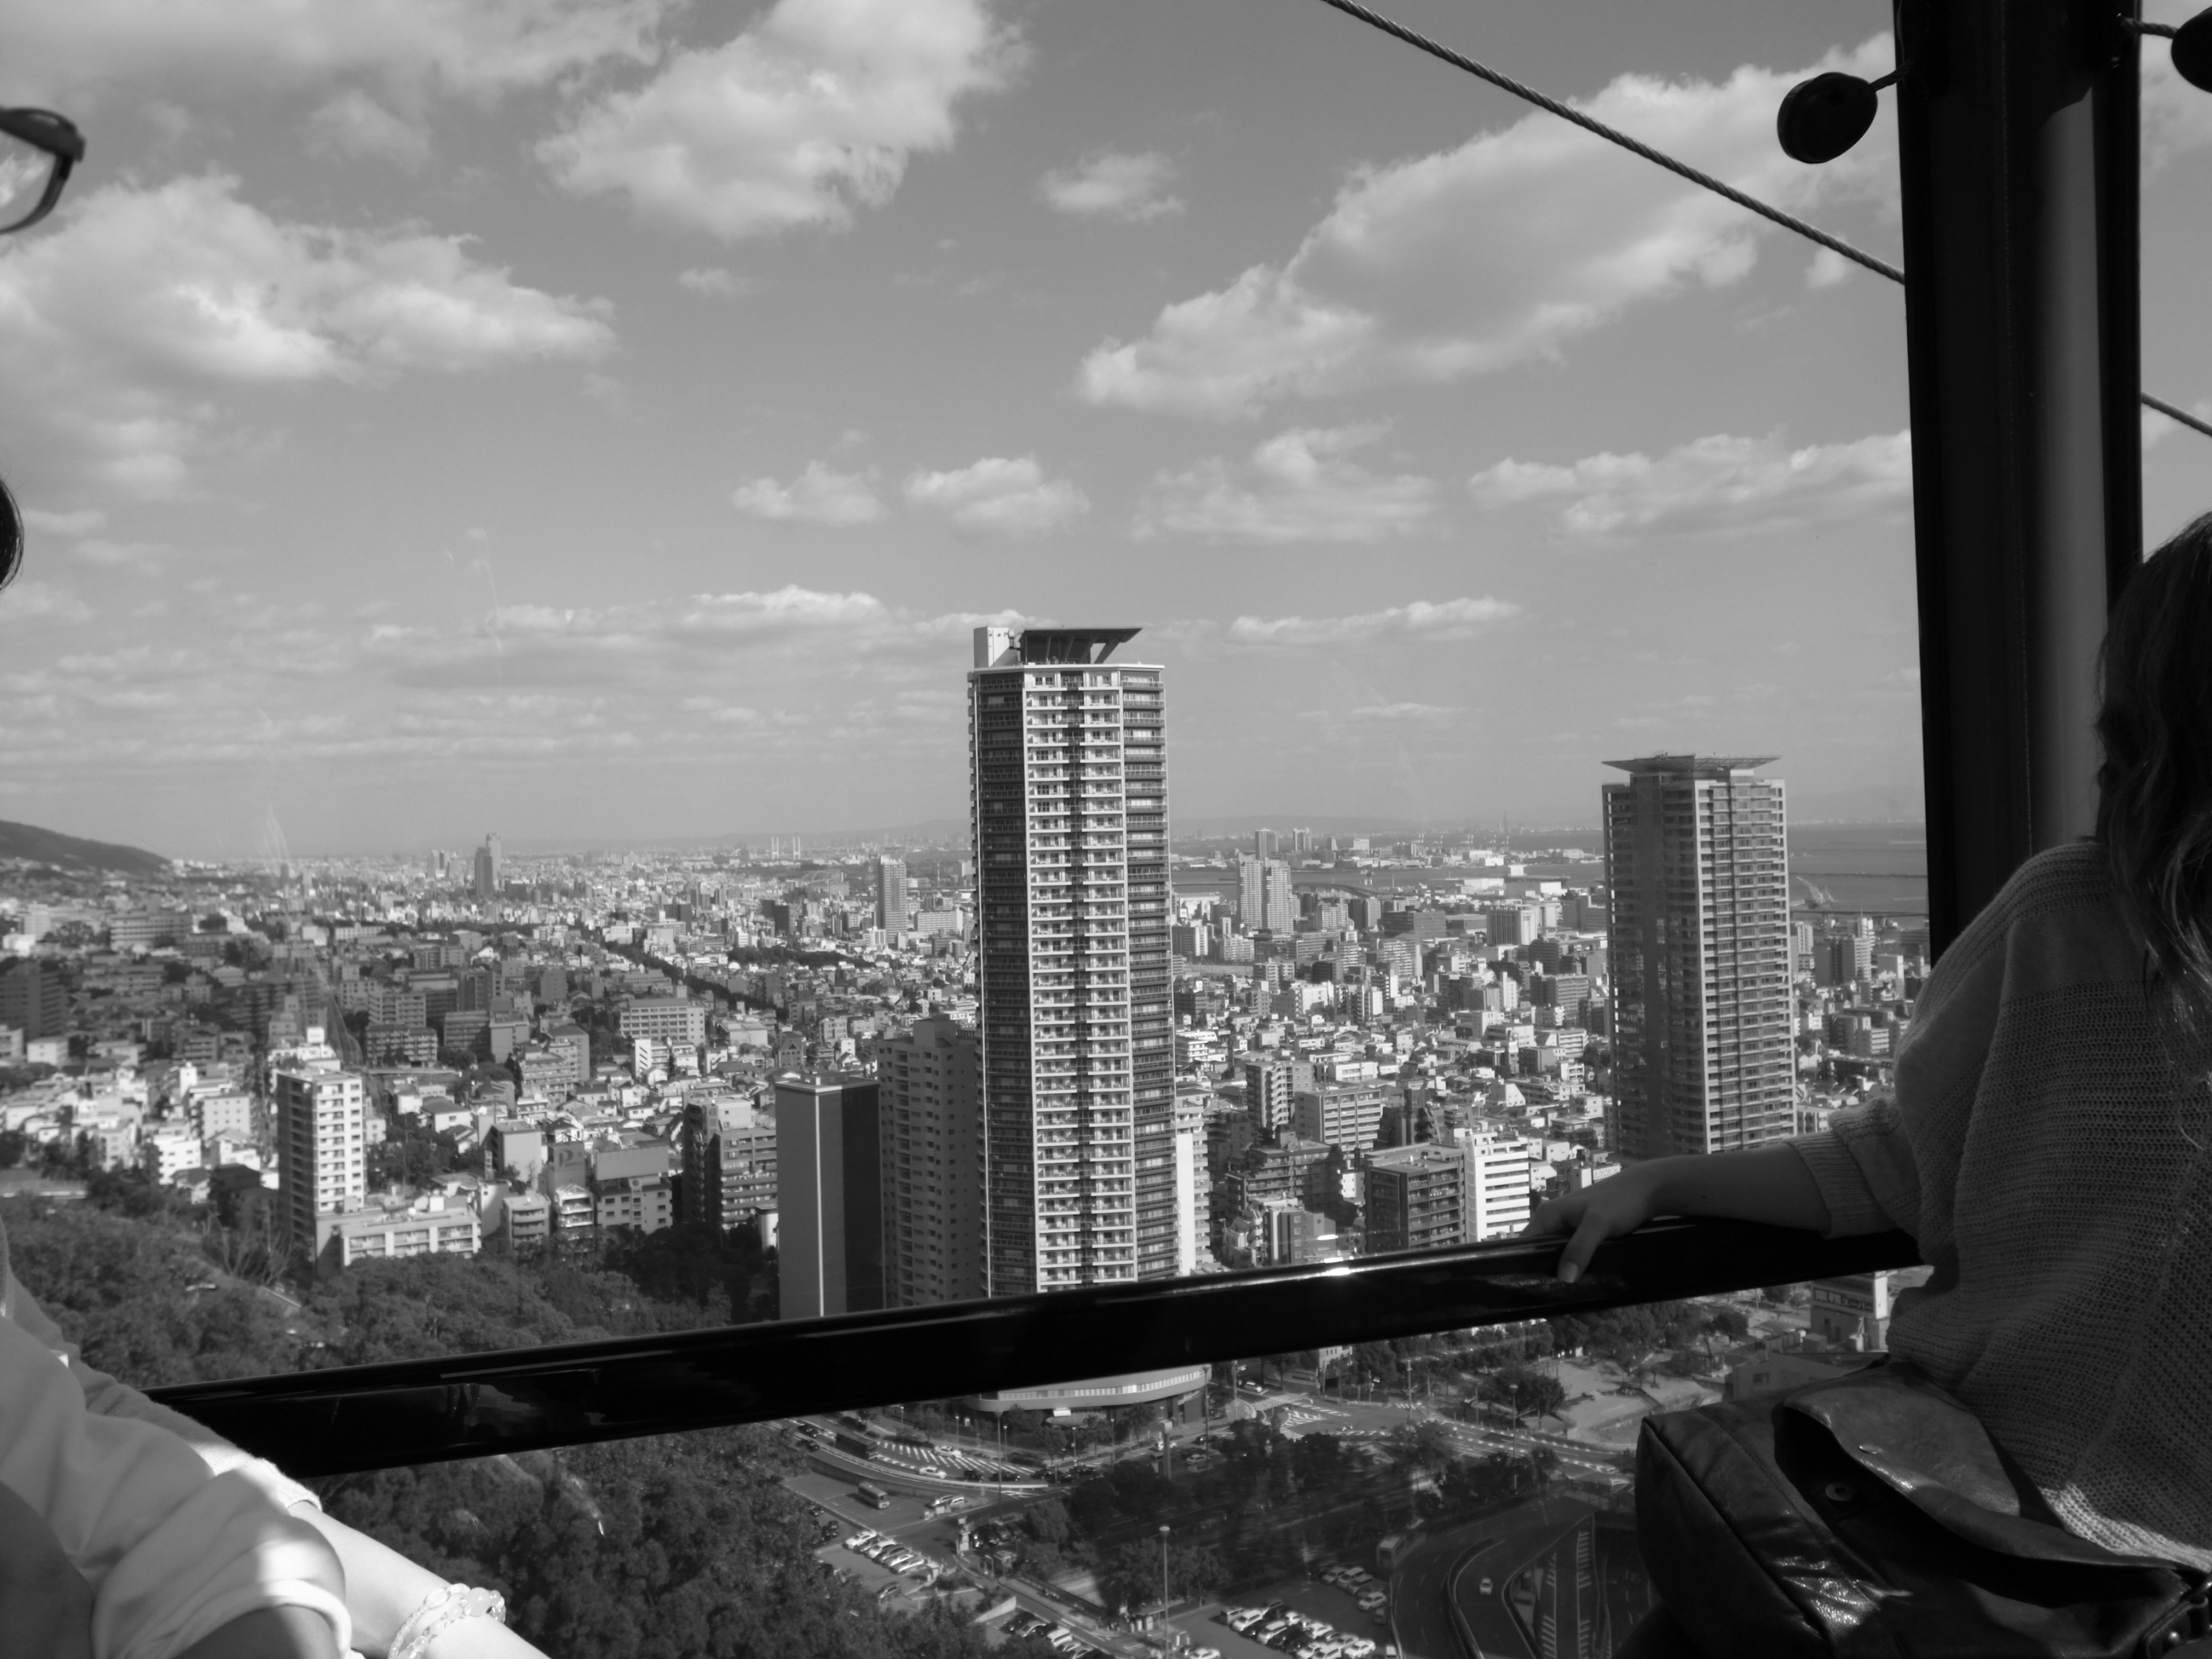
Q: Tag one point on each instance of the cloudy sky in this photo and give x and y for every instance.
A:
(607, 418)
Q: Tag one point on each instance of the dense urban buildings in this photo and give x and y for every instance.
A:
(1697, 848)
(1027, 1057)
(1069, 790)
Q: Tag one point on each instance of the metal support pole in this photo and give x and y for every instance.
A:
(2018, 150)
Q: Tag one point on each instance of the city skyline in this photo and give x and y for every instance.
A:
(672, 519)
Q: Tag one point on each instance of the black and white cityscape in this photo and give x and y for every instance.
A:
(680, 667)
(1075, 1047)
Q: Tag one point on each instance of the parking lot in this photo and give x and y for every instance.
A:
(1305, 1619)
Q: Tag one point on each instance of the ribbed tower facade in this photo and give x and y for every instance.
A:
(1697, 859)
(1068, 797)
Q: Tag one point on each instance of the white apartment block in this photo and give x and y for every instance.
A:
(1068, 777)
(430, 1227)
(666, 1020)
(930, 1083)
(168, 1151)
(322, 1152)
(1498, 1186)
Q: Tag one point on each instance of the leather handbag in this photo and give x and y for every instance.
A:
(1873, 1518)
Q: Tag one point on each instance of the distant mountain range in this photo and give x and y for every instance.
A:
(37, 845)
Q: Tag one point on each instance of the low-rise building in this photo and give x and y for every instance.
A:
(428, 1227)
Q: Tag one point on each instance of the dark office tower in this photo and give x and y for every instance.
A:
(1263, 843)
(33, 999)
(1068, 775)
(1696, 850)
(891, 895)
(830, 1231)
(487, 868)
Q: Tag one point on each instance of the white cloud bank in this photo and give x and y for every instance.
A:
(1717, 485)
(1113, 184)
(1422, 620)
(475, 46)
(819, 496)
(1299, 486)
(355, 124)
(115, 327)
(1504, 250)
(1001, 497)
(806, 115)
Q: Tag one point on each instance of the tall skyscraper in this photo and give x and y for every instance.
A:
(891, 895)
(931, 1081)
(1697, 860)
(1263, 843)
(1069, 802)
(322, 1151)
(1264, 898)
(829, 1230)
(487, 868)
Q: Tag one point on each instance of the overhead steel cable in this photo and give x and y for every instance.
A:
(1682, 169)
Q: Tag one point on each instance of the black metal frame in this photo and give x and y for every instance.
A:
(419, 1410)
(2017, 151)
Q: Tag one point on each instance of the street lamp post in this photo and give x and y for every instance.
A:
(1164, 1580)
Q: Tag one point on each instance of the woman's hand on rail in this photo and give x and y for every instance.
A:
(1768, 1183)
(1605, 1209)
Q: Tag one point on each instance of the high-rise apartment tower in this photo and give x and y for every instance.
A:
(891, 895)
(1068, 778)
(930, 1083)
(322, 1150)
(1697, 859)
(1264, 898)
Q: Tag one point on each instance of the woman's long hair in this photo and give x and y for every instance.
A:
(2155, 788)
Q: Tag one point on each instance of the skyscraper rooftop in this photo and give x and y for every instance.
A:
(1696, 765)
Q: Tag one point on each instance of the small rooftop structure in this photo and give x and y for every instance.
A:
(1012, 647)
(1695, 766)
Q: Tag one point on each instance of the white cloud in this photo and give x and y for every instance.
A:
(1422, 620)
(821, 494)
(1387, 713)
(806, 115)
(1111, 185)
(1299, 486)
(114, 326)
(999, 496)
(1718, 485)
(1504, 250)
(82, 522)
(474, 46)
(41, 602)
(715, 281)
(353, 124)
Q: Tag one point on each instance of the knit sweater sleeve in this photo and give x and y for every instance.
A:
(1894, 1161)
(172, 1552)
(106, 1397)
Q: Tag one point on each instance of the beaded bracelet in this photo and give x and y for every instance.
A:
(441, 1609)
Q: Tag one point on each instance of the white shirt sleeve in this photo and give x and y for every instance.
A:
(104, 1396)
(171, 1552)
